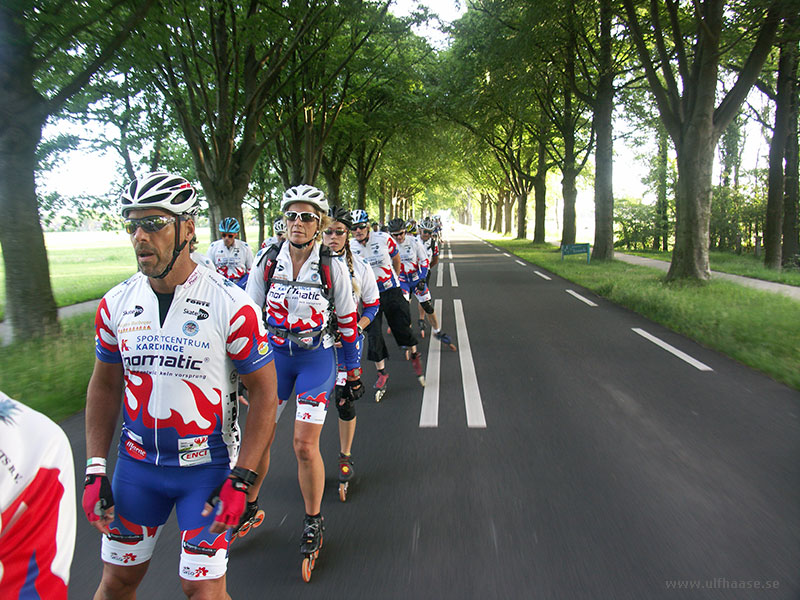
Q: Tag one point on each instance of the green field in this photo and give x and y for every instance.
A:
(85, 265)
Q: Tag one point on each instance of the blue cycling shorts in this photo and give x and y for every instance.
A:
(311, 374)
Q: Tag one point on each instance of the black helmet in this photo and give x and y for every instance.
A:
(341, 214)
(396, 225)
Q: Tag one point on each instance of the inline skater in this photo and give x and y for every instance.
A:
(380, 252)
(37, 504)
(278, 234)
(231, 256)
(413, 277)
(172, 342)
(299, 286)
(365, 289)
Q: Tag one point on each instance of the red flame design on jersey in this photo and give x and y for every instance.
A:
(245, 326)
(347, 326)
(209, 410)
(101, 328)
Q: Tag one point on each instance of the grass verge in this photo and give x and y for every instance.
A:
(759, 329)
(746, 265)
(51, 375)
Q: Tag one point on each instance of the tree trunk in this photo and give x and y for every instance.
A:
(604, 151)
(224, 201)
(540, 194)
(261, 224)
(773, 228)
(693, 205)
(483, 211)
(498, 213)
(570, 193)
(791, 235)
(662, 204)
(508, 212)
(30, 306)
(382, 207)
(333, 181)
(522, 215)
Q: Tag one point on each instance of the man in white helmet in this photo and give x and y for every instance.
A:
(172, 341)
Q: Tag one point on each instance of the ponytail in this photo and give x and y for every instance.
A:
(356, 283)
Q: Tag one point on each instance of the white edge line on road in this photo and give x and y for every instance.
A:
(581, 298)
(429, 415)
(440, 276)
(543, 276)
(469, 380)
(673, 350)
(449, 254)
(519, 262)
(453, 280)
(506, 254)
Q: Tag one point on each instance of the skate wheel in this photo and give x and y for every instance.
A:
(259, 518)
(308, 566)
(343, 491)
(421, 379)
(379, 395)
(243, 531)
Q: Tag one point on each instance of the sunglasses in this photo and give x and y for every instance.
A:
(229, 235)
(360, 226)
(148, 224)
(305, 217)
(398, 233)
(335, 232)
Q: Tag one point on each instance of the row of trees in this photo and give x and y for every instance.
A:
(542, 81)
(249, 98)
(244, 97)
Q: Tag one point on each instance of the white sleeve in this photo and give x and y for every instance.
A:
(248, 256)
(369, 286)
(256, 286)
(342, 289)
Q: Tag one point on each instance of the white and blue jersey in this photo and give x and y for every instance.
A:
(413, 262)
(378, 251)
(180, 400)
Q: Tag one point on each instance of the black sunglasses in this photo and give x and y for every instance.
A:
(305, 217)
(229, 235)
(148, 224)
(360, 226)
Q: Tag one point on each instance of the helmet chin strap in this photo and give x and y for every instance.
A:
(305, 244)
(176, 252)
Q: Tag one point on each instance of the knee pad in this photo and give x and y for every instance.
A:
(347, 410)
(427, 307)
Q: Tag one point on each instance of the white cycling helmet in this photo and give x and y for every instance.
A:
(160, 189)
(305, 193)
(278, 227)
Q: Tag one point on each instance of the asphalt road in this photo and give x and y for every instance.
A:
(583, 460)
